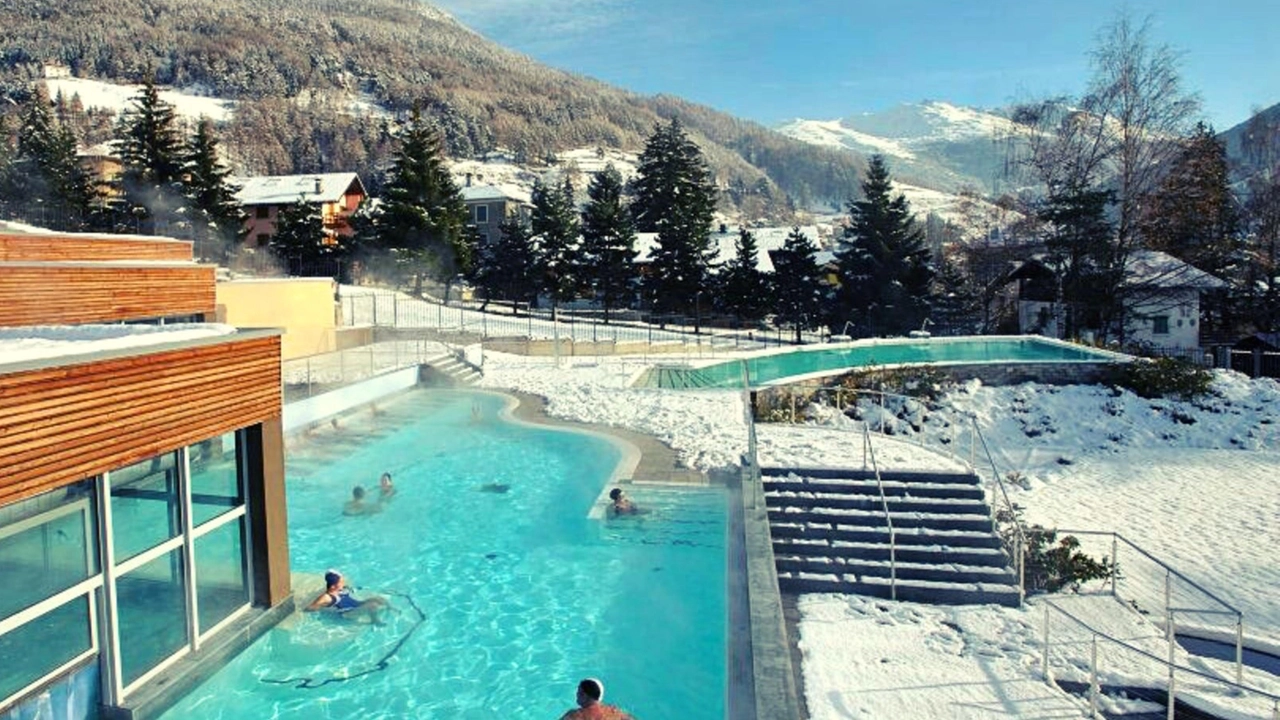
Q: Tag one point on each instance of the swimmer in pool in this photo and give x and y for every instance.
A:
(495, 487)
(386, 489)
(338, 599)
(622, 504)
(357, 505)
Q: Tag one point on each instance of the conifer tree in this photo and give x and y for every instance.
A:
(508, 268)
(1192, 216)
(1082, 253)
(797, 283)
(216, 214)
(885, 273)
(554, 223)
(47, 170)
(423, 217)
(744, 289)
(608, 241)
(151, 149)
(675, 197)
(299, 240)
(958, 301)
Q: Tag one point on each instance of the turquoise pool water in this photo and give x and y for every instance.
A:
(770, 368)
(504, 599)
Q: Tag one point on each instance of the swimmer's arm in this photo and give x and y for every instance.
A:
(323, 601)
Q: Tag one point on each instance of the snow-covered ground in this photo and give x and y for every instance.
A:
(1197, 484)
(116, 97)
(25, 344)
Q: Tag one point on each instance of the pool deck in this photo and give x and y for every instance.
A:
(658, 462)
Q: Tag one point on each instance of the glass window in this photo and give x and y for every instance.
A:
(144, 505)
(47, 544)
(222, 575)
(482, 213)
(152, 612)
(262, 212)
(215, 478)
(1160, 325)
(48, 642)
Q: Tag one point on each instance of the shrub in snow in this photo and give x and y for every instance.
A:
(1161, 377)
(1052, 564)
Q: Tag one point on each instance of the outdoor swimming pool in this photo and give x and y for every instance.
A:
(504, 599)
(824, 359)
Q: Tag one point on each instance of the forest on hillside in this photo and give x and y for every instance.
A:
(294, 66)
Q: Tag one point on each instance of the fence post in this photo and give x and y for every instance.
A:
(1172, 681)
(1239, 648)
(1044, 661)
(1168, 605)
(792, 394)
(1113, 565)
(1093, 677)
(308, 377)
(395, 310)
(374, 299)
(881, 413)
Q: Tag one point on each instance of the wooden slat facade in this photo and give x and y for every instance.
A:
(54, 247)
(61, 424)
(78, 293)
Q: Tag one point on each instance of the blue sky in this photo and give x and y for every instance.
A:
(773, 60)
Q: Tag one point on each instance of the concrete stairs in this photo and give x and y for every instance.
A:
(448, 369)
(830, 535)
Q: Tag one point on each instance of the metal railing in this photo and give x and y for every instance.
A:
(1069, 645)
(1021, 547)
(314, 374)
(1153, 587)
(869, 451)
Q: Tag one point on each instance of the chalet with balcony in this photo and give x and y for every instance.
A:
(337, 194)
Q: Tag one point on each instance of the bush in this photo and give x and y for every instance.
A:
(1161, 377)
(918, 381)
(1052, 564)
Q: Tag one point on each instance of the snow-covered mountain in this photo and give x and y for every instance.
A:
(934, 149)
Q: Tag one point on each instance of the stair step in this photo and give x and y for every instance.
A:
(904, 536)
(876, 518)
(988, 557)
(870, 487)
(873, 503)
(900, 476)
(865, 569)
(908, 590)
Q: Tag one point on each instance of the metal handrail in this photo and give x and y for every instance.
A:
(1022, 545)
(884, 503)
(1236, 685)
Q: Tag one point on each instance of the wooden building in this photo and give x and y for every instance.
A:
(142, 514)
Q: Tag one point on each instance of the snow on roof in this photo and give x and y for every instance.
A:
(767, 239)
(287, 189)
(1152, 267)
(27, 344)
(481, 193)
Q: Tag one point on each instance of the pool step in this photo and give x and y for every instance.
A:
(452, 370)
(830, 534)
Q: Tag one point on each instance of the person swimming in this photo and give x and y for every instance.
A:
(357, 506)
(622, 504)
(386, 489)
(337, 598)
(495, 487)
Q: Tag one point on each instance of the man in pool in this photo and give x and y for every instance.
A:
(338, 599)
(591, 704)
(622, 504)
(357, 506)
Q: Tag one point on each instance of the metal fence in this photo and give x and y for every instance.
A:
(304, 377)
(384, 308)
(1254, 363)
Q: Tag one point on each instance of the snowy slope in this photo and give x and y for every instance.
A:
(110, 96)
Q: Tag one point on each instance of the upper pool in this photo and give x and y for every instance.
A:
(818, 360)
(504, 600)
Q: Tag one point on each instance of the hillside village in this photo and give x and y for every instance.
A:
(933, 412)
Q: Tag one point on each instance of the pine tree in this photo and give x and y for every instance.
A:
(958, 302)
(744, 289)
(1192, 216)
(299, 240)
(150, 146)
(608, 241)
(216, 214)
(422, 216)
(885, 273)
(797, 283)
(554, 223)
(1081, 252)
(509, 266)
(47, 170)
(675, 197)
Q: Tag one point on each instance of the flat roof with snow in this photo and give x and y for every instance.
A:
(37, 347)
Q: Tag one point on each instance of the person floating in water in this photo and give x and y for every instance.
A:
(386, 489)
(495, 487)
(338, 599)
(475, 413)
(357, 506)
(591, 704)
(622, 504)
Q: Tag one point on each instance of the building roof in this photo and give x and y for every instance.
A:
(287, 189)
(1150, 268)
(485, 193)
(23, 346)
(767, 240)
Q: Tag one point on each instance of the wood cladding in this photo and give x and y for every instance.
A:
(54, 247)
(61, 424)
(78, 293)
